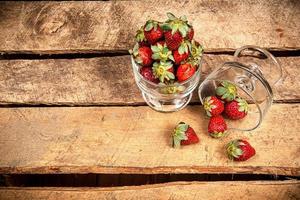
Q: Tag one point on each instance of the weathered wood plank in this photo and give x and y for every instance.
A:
(70, 27)
(251, 190)
(103, 81)
(137, 140)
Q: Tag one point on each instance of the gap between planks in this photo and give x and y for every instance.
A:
(251, 190)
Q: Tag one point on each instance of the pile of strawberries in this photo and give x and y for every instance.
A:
(227, 103)
(166, 51)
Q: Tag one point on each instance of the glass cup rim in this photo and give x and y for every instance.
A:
(173, 84)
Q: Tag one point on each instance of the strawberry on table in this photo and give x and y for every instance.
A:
(183, 134)
(152, 31)
(213, 106)
(142, 55)
(236, 109)
(217, 126)
(227, 91)
(147, 73)
(164, 71)
(185, 71)
(239, 150)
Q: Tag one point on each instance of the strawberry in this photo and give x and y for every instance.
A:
(239, 150)
(163, 71)
(227, 91)
(190, 33)
(185, 71)
(147, 73)
(140, 37)
(173, 40)
(142, 55)
(171, 88)
(196, 50)
(213, 106)
(175, 30)
(182, 53)
(236, 109)
(183, 134)
(161, 53)
(180, 57)
(152, 31)
(217, 126)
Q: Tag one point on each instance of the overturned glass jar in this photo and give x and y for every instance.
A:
(252, 79)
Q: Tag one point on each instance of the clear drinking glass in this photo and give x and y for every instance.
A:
(254, 81)
(166, 98)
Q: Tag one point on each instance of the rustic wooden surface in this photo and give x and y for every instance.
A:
(127, 139)
(70, 27)
(137, 140)
(250, 190)
(104, 81)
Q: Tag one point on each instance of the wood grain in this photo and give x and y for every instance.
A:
(72, 27)
(250, 190)
(104, 81)
(137, 140)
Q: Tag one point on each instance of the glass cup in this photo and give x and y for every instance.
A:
(253, 79)
(166, 98)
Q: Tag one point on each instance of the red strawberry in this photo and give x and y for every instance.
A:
(239, 150)
(236, 109)
(183, 134)
(185, 71)
(147, 73)
(180, 57)
(175, 30)
(142, 55)
(152, 31)
(190, 33)
(140, 37)
(143, 44)
(213, 106)
(173, 40)
(217, 126)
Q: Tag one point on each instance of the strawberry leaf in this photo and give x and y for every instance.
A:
(171, 58)
(183, 31)
(181, 49)
(171, 16)
(183, 18)
(155, 48)
(149, 26)
(179, 134)
(166, 26)
(155, 56)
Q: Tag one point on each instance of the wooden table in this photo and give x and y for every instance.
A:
(69, 104)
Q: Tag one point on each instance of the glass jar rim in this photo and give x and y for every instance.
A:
(173, 84)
